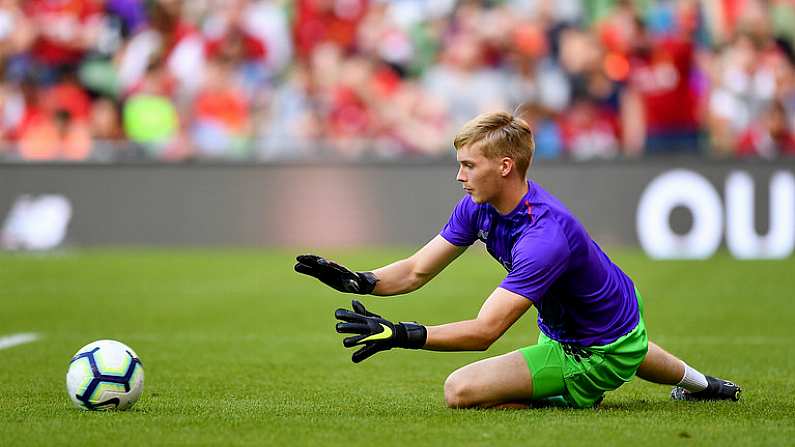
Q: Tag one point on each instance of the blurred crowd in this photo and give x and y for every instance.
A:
(276, 80)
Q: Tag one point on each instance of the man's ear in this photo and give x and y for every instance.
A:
(507, 166)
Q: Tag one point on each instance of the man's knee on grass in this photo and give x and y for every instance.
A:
(459, 392)
(462, 389)
(489, 382)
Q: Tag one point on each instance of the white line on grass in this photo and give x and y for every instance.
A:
(12, 340)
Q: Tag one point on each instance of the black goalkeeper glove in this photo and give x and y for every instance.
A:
(375, 333)
(335, 275)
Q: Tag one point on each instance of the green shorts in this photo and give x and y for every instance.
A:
(581, 376)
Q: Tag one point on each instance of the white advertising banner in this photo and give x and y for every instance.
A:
(714, 218)
(672, 209)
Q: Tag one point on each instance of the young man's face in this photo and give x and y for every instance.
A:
(480, 176)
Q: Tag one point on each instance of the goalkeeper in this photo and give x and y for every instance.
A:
(593, 337)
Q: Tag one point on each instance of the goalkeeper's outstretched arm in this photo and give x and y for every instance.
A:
(372, 333)
(408, 275)
(397, 278)
(500, 310)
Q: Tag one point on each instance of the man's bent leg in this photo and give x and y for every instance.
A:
(503, 381)
(664, 368)
(661, 367)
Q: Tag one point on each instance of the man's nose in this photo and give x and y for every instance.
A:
(460, 176)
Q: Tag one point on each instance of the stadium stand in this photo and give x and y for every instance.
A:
(246, 80)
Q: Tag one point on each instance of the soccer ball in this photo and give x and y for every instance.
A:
(105, 375)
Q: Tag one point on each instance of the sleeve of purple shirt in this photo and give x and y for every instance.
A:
(538, 260)
(461, 229)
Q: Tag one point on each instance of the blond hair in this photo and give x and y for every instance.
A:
(497, 135)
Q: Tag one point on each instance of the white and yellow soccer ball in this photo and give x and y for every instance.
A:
(105, 375)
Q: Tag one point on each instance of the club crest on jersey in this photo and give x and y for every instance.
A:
(483, 235)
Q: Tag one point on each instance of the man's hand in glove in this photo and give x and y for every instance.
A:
(335, 275)
(376, 334)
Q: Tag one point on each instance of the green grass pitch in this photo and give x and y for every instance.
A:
(240, 350)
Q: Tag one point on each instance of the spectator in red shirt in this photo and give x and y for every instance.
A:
(334, 21)
(65, 29)
(221, 122)
(589, 131)
(55, 124)
(659, 86)
(772, 135)
(351, 117)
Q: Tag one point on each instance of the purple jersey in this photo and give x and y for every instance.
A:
(581, 296)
